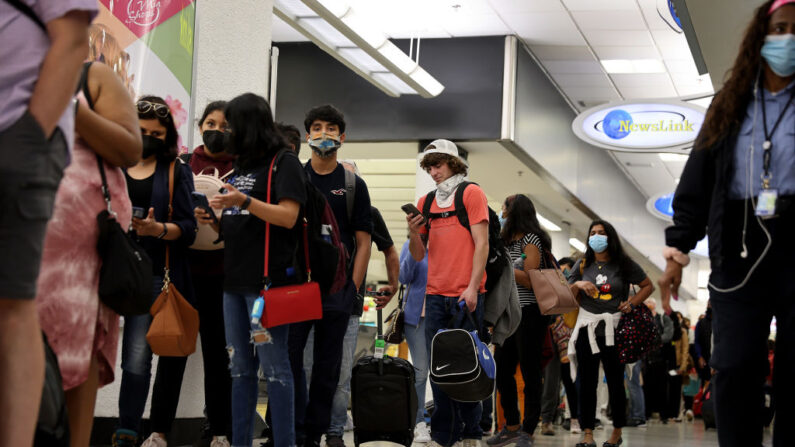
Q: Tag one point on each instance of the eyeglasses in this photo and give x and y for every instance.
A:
(161, 110)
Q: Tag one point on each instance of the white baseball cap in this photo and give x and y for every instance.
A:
(443, 147)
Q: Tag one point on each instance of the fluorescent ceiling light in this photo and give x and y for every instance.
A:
(673, 157)
(367, 36)
(578, 244)
(547, 224)
(633, 66)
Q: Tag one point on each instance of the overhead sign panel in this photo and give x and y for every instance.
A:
(635, 126)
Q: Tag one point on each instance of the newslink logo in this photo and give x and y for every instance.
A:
(619, 123)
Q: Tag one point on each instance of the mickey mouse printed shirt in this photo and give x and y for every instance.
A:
(613, 286)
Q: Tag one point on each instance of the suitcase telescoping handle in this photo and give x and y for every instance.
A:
(380, 343)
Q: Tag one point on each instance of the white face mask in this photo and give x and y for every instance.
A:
(445, 190)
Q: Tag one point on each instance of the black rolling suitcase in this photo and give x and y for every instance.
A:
(384, 401)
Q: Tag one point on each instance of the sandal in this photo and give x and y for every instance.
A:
(610, 444)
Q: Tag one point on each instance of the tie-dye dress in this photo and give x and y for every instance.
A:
(77, 324)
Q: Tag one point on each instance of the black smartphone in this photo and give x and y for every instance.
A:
(374, 293)
(410, 209)
(200, 200)
(138, 212)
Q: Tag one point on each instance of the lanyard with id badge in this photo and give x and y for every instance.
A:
(766, 202)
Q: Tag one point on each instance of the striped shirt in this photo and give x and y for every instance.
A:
(515, 249)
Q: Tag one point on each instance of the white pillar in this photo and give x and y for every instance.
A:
(232, 51)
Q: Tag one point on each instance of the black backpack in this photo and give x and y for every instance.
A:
(497, 253)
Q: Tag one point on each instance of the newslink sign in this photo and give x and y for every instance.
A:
(632, 126)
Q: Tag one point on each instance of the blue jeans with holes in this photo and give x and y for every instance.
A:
(451, 420)
(415, 337)
(275, 363)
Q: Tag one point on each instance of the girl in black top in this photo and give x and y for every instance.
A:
(255, 140)
(525, 240)
(602, 280)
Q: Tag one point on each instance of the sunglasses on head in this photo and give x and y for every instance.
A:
(161, 110)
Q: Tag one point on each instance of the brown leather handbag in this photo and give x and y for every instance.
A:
(551, 289)
(175, 325)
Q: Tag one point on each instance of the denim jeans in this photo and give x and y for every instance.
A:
(339, 407)
(637, 407)
(275, 363)
(415, 337)
(136, 364)
(451, 420)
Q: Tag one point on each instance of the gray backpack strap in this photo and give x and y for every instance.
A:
(350, 192)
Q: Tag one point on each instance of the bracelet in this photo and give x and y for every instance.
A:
(246, 203)
(673, 253)
(164, 233)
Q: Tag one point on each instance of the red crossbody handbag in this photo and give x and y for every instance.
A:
(292, 303)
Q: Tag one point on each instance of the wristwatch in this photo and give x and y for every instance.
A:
(164, 233)
(246, 203)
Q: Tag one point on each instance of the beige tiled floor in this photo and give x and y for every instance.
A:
(689, 434)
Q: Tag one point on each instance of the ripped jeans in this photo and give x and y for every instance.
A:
(275, 362)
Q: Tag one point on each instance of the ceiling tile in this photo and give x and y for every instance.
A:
(681, 66)
(669, 38)
(282, 32)
(610, 20)
(462, 25)
(624, 52)
(574, 67)
(675, 51)
(618, 38)
(562, 52)
(661, 91)
(591, 93)
(517, 6)
(582, 80)
(545, 28)
(597, 5)
(650, 81)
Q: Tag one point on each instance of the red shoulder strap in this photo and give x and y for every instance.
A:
(268, 230)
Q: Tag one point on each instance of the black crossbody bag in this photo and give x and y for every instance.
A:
(125, 278)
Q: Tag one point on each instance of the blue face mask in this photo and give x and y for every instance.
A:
(598, 242)
(779, 53)
(502, 221)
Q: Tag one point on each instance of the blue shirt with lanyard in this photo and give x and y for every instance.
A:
(764, 156)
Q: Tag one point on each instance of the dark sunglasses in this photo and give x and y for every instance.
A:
(161, 110)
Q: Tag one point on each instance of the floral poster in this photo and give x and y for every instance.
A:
(149, 43)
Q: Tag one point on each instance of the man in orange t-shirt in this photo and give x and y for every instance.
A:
(456, 273)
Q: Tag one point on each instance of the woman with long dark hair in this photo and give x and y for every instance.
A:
(529, 246)
(147, 184)
(739, 183)
(246, 212)
(602, 279)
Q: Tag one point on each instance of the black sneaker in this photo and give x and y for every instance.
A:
(334, 441)
(504, 437)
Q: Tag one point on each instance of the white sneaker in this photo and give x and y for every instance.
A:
(471, 442)
(689, 415)
(422, 433)
(154, 440)
(220, 441)
(575, 426)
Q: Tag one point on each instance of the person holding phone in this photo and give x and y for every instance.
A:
(246, 211)
(148, 185)
(207, 272)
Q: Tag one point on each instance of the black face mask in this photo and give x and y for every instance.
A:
(213, 141)
(152, 146)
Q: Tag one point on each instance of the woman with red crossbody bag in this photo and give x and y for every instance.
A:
(261, 207)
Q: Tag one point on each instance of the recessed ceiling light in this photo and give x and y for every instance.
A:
(547, 224)
(633, 66)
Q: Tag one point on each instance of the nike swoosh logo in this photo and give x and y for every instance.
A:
(439, 368)
(485, 356)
